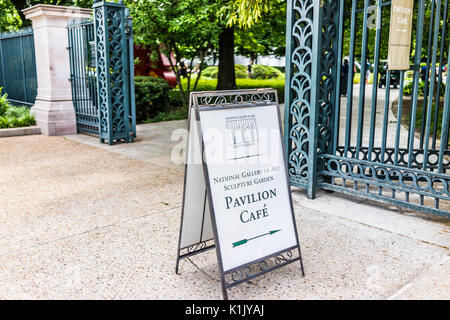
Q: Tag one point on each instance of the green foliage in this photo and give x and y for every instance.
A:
(278, 84)
(240, 71)
(3, 103)
(180, 112)
(267, 36)
(19, 5)
(265, 72)
(152, 97)
(408, 88)
(188, 29)
(14, 117)
(9, 17)
(419, 124)
(259, 72)
(177, 114)
(246, 13)
(211, 72)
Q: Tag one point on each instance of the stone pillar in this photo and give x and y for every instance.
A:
(53, 108)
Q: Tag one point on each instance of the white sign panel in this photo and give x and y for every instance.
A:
(196, 225)
(248, 183)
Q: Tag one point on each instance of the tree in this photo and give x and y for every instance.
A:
(246, 13)
(265, 37)
(22, 4)
(251, 37)
(9, 18)
(188, 30)
(226, 78)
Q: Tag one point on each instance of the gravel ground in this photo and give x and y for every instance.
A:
(80, 222)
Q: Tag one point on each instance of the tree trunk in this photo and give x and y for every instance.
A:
(20, 5)
(227, 77)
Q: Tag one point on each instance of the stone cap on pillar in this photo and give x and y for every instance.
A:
(56, 11)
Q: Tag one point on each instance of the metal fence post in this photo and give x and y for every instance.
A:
(315, 103)
(302, 92)
(113, 72)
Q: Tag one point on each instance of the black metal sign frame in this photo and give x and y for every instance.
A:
(214, 100)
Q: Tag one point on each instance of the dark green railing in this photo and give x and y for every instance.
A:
(18, 66)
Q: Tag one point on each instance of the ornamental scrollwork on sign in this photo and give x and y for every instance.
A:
(258, 268)
(287, 256)
(233, 98)
(241, 274)
(196, 247)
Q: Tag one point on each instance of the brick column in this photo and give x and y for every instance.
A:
(53, 108)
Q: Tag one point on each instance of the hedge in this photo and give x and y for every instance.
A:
(210, 85)
(152, 97)
(259, 72)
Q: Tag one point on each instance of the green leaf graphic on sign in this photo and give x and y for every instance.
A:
(244, 241)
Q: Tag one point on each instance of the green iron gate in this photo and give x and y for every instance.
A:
(83, 74)
(344, 135)
(102, 73)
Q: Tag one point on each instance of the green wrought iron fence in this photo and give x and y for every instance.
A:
(18, 66)
(102, 73)
(368, 139)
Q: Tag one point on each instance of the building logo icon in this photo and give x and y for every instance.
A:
(241, 130)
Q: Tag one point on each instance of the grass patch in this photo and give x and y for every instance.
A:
(258, 72)
(178, 113)
(406, 116)
(207, 84)
(419, 123)
(357, 78)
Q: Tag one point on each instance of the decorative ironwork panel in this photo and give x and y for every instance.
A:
(412, 188)
(310, 87)
(299, 86)
(114, 69)
(328, 58)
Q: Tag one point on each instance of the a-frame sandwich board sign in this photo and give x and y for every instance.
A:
(236, 195)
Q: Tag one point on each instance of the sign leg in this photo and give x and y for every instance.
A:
(301, 260)
(178, 263)
(224, 291)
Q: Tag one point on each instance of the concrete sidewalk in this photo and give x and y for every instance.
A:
(82, 220)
